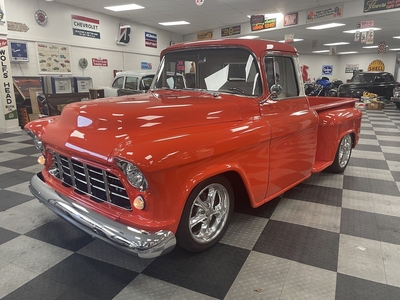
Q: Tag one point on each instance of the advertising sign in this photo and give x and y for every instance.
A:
(19, 51)
(150, 39)
(260, 23)
(327, 69)
(351, 67)
(85, 27)
(146, 65)
(7, 87)
(230, 30)
(290, 19)
(378, 5)
(99, 62)
(325, 13)
(205, 35)
(124, 35)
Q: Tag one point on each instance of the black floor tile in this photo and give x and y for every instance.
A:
(20, 163)
(353, 288)
(7, 235)
(13, 178)
(61, 234)
(389, 143)
(387, 133)
(90, 276)
(392, 156)
(370, 226)
(211, 272)
(367, 136)
(368, 163)
(74, 294)
(315, 247)
(39, 288)
(316, 194)
(10, 199)
(26, 151)
(369, 185)
(396, 175)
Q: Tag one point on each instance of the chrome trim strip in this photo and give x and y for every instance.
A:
(132, 240)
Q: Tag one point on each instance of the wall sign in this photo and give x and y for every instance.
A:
(230, 30)
(378, 5)
(19, 51)
(327, 69)
(3, 23)
(85, 27)
(290, 19)
(7, 87)
(124, 35)
(146, 65)
(41, 17)
(53, 58)
(150, 39)
(325, 13)
(205, 35)
(99, 62)
(259, 22)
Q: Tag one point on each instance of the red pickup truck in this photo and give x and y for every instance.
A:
(144, 172)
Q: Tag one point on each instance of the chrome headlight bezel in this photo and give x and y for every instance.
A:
(38, 142)
(396, 93)
(134, 176)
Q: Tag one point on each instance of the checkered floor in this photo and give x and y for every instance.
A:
(331, 237)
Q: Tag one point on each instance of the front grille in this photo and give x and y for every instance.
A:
(98, 184)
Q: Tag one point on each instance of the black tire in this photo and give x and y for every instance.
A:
(342, 156)
(209, 208)
(398, 105)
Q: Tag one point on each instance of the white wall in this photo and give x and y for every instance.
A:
(59, 30)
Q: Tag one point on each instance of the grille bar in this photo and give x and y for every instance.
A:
(99, 184)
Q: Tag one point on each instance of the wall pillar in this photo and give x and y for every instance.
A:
(8, 106)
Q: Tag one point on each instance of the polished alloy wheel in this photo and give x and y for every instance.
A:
(209, 213)
(345, 150)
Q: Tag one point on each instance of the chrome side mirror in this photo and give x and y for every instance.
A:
(275, 90)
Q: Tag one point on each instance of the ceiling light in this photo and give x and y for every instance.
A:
(174, 23)
(370, 47)
(325, 26)
(124, 7)
(395, 49)
(348, 52)
(294, 40)
(362, 30)
(249, 37)
(396, 37)
(320, 51)
(337, 44)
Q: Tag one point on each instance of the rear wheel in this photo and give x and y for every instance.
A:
(342, 155)
(206, 215)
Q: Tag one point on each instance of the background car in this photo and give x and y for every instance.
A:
(129, 82)
(380, 83)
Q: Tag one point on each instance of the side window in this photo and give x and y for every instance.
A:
(118, 83)
(281, 71)
(389, 78)
(131, 83)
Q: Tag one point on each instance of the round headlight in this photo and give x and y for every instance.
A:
(134, 176)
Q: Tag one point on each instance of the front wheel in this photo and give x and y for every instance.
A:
(206, 215)
(342, 155)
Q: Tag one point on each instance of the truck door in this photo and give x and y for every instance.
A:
(293, 125)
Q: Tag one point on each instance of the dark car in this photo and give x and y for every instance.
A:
(380, 83)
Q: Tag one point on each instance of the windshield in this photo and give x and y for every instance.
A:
(232, 71)
(363, 78)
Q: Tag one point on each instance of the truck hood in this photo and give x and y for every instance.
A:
(99, 127)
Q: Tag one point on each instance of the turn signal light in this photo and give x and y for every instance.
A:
(41, 160)
(139, 203)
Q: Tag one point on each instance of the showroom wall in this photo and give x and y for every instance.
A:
(58, 30)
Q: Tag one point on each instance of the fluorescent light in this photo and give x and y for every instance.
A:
(320, 51)
(362, 30)
(395, 49)
(348, 52)
(270, 16)
(174, 23)
(124, 7)
(249, 37)
(294, 40)
(370, 47)
(325, 26)
(396, 37)
(337, 44)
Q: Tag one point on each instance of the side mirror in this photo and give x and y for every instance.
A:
(275, 90)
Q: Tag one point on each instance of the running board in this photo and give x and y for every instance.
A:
(320, 166)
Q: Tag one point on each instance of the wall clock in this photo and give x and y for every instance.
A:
(41, 17)
(83, 63)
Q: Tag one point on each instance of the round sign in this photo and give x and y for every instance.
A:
(83, 63)
(41, 17)
(199, 2)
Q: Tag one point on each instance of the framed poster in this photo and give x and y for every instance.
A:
(19, 51)
(53, 58)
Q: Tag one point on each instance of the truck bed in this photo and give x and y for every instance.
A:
(323, 103)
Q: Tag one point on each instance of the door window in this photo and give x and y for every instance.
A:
(281, 71)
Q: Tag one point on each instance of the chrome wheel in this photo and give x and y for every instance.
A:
(209, 213)
(344, 151)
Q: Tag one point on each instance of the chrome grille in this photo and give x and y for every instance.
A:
(99, 184)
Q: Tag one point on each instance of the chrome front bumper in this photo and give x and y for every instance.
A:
(139, 242)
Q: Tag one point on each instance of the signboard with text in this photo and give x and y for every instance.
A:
(99, 62)
(150, 39)
(325, 13)
(260, 23)
(85, 27)
(7, 87)
(379, 5)
(230, 30)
